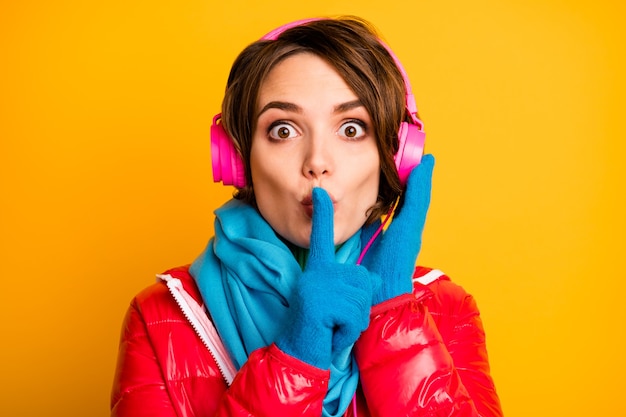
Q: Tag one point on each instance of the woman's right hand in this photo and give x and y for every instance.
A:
(331, 303)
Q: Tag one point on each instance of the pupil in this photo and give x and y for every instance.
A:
(350, 131)
(283, 132)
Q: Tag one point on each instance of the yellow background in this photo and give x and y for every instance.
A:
(105, 111)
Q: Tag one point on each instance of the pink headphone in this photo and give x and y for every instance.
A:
(228, 166)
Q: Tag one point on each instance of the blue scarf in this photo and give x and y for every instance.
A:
(246, 276)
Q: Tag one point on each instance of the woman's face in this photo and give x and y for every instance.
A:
(312, 131)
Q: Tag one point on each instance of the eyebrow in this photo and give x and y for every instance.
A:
(281, 105)
(344, 107)
(292, 107)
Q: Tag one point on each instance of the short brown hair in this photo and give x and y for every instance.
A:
(352, 47)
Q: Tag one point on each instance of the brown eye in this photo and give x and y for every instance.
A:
(352, 130)
(282, 131)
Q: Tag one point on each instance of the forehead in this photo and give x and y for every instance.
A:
(302, 74)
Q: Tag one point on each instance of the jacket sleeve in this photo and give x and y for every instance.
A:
(408, 367)
(272, 383)
(463, 334)
(163, 370)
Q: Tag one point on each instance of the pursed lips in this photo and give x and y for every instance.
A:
(307, 204)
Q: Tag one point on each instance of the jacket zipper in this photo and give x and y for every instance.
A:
(194, 313)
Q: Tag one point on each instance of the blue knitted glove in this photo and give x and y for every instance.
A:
(331, 303)
(393, 254)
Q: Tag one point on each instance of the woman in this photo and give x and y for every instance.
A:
(300, 305)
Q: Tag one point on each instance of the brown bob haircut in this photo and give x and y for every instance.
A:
(350, 45)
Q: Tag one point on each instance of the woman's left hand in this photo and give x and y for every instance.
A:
(393, 254)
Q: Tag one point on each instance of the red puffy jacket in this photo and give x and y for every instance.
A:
(422, 355)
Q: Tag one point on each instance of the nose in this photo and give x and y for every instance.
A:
(319, 158)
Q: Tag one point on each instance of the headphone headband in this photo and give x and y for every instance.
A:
(229, 168)
(410, 104)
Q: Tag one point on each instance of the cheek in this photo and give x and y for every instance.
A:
(260, 165)
(365, 193)
(269, 180)
(369, 194)
(267, 176)
(371, 185)
(370, 171)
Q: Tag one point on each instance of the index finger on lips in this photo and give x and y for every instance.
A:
(322, 246)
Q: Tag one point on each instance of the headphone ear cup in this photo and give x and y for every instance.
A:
(410, 149)
(226, 162)
(229, 169)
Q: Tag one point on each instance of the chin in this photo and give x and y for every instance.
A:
(301, 241)
(342, 240)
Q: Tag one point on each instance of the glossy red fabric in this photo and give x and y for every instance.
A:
(423, 354)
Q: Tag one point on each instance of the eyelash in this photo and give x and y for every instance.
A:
(361, 124)
(275, 125)
(278, 123)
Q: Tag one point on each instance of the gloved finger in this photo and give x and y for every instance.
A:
(347, 332)
(411, 214)
(345, 336)
(322, 245)
(355, 289)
